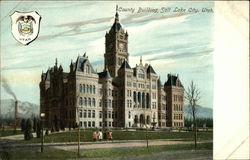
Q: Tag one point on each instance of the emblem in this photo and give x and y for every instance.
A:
(25, 26)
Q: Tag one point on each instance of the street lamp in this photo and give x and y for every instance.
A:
(42, 115)
(146, 125)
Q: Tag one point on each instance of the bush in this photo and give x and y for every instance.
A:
(35, 124)
(28, 130)
(38, 129)
(23, 125)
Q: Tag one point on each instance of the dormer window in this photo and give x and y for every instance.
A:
(141, 74)
(87, 69)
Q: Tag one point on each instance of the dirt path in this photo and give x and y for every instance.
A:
(120, 144)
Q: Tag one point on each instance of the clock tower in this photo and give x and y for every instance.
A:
(116, 47)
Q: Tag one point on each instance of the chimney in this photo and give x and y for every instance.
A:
(15, 114)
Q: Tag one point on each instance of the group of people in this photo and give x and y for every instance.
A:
(99, 136)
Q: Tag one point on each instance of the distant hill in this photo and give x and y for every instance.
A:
(25, 109)
(202, 112)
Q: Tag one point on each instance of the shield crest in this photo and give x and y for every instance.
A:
(25, 26)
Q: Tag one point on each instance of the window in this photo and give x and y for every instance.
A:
(105, 114)
(87, 88)
(100, 114)
(85, 124)
(85, 114)
(89, 102)
(100, 124)
(113, 115)
(80, 114)
(93, 101)
(90, 89)
(89, 123)
(80, 101)
(80, 89)
(129, 115)
(83, 88)
(93, 113)
(109, 114)
(109, 103)
(93, 123)
(89, 113)
(93, 89)
(85, 101)
(87, 69)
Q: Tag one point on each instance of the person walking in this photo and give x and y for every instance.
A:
(110, 135)
(100, 135)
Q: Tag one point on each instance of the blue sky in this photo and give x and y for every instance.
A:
(177, 43)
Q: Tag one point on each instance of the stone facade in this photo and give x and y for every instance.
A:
(120, 96)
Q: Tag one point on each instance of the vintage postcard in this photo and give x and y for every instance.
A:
(115, 80)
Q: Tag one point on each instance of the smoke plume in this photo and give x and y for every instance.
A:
(7, 88)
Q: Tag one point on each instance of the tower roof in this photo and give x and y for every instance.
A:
(150, 69)
(125, 65)
(116, 26)
(104, 74)
(173, 81)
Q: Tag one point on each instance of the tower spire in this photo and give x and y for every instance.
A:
(141, 60)
(56, 62)
(116, 14)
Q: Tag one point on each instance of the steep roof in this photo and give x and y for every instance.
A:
(79, 65)
(150, 69)
(104, 74)
(125, 65)
(116, 27)
(172, 81)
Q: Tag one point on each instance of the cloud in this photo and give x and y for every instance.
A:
(77, 27)
(21, 68)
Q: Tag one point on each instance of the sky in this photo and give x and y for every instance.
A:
(172, 42)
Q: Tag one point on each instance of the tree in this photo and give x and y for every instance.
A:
(34, 124)
(62, 125)
(38, 129)
(192, 95)
(28, 130)
(23, 125)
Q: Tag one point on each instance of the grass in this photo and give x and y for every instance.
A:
(86, 136)
(9, 132)
(115, 152)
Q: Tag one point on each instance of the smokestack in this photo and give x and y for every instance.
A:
(15, 114)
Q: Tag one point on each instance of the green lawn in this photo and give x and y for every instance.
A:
(9, 132)
(97, 153)
(71, 136)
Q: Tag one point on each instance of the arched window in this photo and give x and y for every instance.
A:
(129, 115)
(80, 101)
(80, 89)
(87, 88)
(93, 89)
(93, 101)
(83, 88)
(85, 101)
(90, 89)
(89, 102)
(134, 96)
